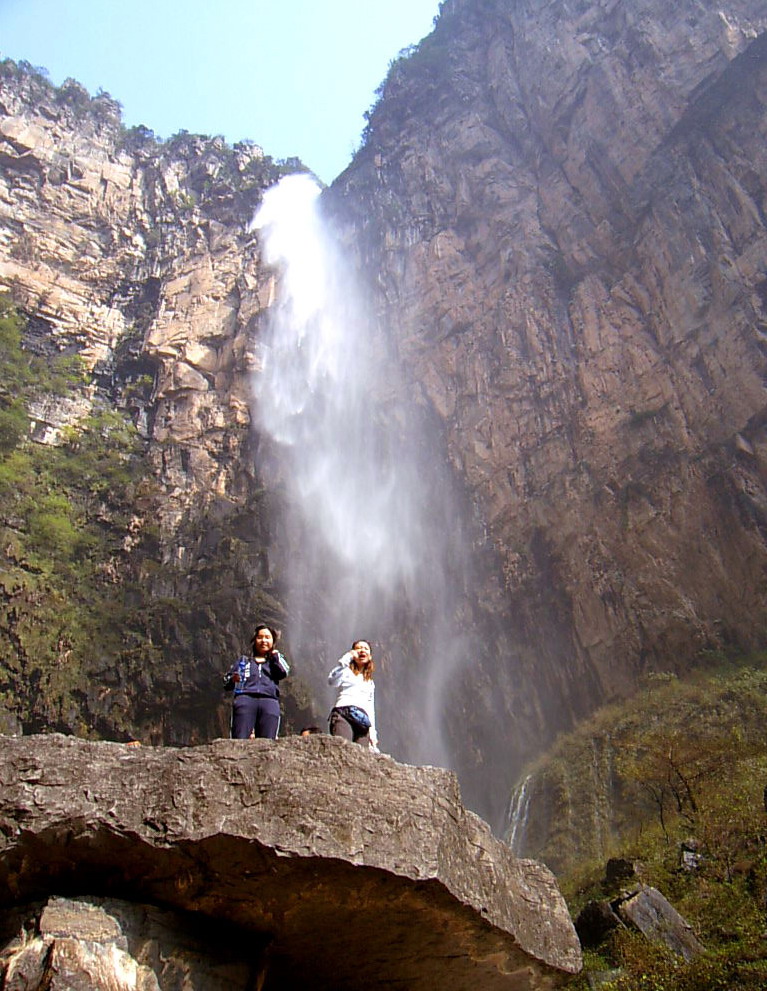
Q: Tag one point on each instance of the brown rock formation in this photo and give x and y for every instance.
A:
(564, 207)
(68, 944)
(115, 244)
(338, 867)
(136, 256)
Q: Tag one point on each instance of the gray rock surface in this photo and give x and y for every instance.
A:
(652, 914)
(344, 869)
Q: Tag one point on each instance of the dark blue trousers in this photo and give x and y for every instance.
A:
(251, 713)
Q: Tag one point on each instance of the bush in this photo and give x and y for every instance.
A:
(14, 426)
(66, 517)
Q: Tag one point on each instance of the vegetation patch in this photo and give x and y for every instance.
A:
(68, 536)
(680, 768)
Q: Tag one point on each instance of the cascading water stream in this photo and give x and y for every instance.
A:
(369, 529)
(517, 815)
(315, 398)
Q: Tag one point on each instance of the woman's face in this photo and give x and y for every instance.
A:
(264, 642)
(364, 653)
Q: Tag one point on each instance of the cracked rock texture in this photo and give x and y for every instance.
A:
(121, 250)
(299, 862)
(136, 256)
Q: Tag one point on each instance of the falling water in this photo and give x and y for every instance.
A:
(315, 397)
(370, 530)
(517, 815)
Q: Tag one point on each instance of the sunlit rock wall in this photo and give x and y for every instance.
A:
(136, 256)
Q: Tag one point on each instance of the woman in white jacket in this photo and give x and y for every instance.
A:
(354, 715)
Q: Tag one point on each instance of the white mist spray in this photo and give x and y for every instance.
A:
(366, 531)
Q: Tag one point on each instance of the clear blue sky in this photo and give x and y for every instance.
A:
(295, 76)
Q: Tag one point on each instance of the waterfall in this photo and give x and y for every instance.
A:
(315, 399)
(371, 536)
(517, 815)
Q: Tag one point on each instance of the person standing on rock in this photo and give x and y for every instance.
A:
(256, 683)
(353, 716)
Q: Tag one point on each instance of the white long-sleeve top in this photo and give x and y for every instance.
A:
(354, 690)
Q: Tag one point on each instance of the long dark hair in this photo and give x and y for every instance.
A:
(366, 669)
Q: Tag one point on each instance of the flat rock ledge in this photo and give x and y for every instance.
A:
(324, 866)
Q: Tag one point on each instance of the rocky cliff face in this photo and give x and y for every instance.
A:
(136, 257)
(564, 206)
(559, 209)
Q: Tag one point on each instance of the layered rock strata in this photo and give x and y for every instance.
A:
(333, 867)
(135, 255)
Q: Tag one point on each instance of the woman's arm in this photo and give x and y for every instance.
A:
(337, 673)
(280, 667)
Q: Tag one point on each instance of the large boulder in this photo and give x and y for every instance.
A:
(652, 914)
(341, 868)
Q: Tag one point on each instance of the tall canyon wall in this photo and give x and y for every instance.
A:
(559, 210)
(135, 255)
(564, 208)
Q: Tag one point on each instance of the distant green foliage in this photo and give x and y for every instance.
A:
(689, 761)
(36, 77)
(14, 424)
(226, 177)
(101, 108)
(73, 94)
(643, 763)
(185, 201)
(139, 137)
(65, 518)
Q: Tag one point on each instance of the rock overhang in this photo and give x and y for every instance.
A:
(353, 869)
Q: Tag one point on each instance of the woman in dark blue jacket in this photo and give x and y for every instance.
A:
(255, 680)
